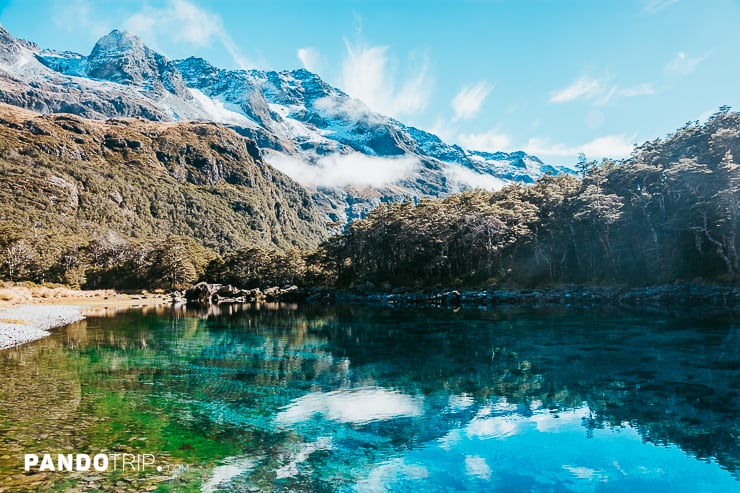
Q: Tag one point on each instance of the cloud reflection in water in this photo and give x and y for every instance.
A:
(357, 406)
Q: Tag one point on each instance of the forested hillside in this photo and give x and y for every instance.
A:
(133, 204)
(668, 213)
(84, 200)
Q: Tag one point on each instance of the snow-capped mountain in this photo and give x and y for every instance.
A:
(348, 156)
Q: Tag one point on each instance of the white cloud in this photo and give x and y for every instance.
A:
(599, 92)
(75, 16)
(467, 178)
(368, 74)
(184, 22)
(584, 87)
(442, 129)
(652, 6)
(337, 170)
(606, 97)
(706, 114)
(643, 89)
(468, 101)
(310, 58)
(347, 108)
(195, 25)
(488, 141)
(236, 55)
(140, 24)
(615, 146)
(608, 146)
(683, 64)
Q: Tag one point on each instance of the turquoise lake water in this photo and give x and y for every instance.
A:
(370, 399)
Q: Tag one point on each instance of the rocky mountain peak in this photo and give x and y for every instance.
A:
(197, 72)
(9, 46)
(118, 41)
(121, 57)
(5, 36)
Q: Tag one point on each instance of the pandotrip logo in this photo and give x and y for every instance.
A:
(114, 462)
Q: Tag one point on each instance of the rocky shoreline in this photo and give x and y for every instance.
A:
(26, 323)
(685, 296)
(673, 295)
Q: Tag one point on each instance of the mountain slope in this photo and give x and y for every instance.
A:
(85, 179)
(348, 156)
(318, 126)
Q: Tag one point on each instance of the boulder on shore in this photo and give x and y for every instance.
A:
(202, 293)
(206, 294)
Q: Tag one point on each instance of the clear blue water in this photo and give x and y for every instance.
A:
(376, 399)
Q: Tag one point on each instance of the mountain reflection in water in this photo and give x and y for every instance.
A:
(368, 399)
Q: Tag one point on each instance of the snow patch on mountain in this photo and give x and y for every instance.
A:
(66, 62)
(217, 110)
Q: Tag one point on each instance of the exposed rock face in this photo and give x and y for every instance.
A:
(202, 293)
(51, 82)
(123, 58)
(9, 47)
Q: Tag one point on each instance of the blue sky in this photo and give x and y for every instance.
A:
(553, 78)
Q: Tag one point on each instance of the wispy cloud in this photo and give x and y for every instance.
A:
(346, 108)
(643, 89)
(615, 91)
(706, 114)
(598, 91)
(652, 6)
(467, 102)
(584, 87)
(371, 76)
(184, 22)
(76, 16)
(614, 146)
(337, 170)
(683, 64)
(466, 177)
(310, 58)
(608, 146)
(487, 141)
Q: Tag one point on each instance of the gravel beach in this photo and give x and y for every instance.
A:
(24, 323)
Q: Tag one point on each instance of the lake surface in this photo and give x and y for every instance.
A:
(375, 399)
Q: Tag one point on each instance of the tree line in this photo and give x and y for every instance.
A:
(668, 213)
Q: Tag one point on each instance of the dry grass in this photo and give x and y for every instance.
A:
(15, 294)
(20, 293)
